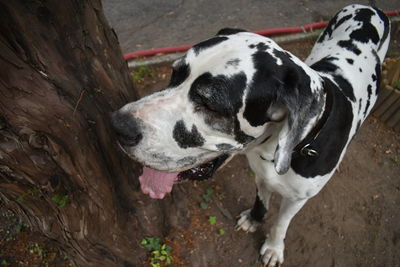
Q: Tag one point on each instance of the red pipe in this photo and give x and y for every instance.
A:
(268, 32)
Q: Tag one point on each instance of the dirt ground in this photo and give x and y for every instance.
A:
(353, 221)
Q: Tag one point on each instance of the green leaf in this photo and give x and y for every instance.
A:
(221, 231)
(212, 220)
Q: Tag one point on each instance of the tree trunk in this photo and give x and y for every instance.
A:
(62, 74)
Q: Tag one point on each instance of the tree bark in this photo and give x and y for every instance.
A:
(61, 75)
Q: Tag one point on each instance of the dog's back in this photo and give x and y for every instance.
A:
(351, 51)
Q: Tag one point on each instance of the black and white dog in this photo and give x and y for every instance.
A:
(239, 92)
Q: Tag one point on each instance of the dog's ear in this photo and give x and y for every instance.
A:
(229, 31)
(296, 96)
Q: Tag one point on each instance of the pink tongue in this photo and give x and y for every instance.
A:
(156, 183)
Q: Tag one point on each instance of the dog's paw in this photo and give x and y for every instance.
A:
(246, 223)
(271, 255)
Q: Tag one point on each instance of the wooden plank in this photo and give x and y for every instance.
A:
(385, 105)
(393, 108)
(385, 92)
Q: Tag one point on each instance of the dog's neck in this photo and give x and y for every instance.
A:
(304, 148)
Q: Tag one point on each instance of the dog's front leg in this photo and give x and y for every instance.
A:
(250, 219)
(272, 250)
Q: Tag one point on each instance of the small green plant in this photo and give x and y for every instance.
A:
(140, 73)
(207, 198)
(221, 231)
(60, 199)
(212, 220)
(160, 253)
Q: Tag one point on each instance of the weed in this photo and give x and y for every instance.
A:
(221, 231)
(60, 199)
(140, 73)
(212, 220)
(160, 253)
(207, 197)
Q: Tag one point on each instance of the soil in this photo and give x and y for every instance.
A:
(353, 221)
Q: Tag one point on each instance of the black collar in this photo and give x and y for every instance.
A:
(305, 147)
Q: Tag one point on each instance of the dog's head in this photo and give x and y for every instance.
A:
(225, 94)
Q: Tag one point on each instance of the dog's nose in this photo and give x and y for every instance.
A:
(127, 128)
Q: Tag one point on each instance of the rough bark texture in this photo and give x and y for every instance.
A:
(61, 75)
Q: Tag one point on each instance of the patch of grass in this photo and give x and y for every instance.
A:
(140, 73)
(60, 199)
(160, 253)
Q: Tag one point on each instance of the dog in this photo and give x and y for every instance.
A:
(239, 92)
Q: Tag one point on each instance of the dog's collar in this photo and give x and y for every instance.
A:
(305, 148)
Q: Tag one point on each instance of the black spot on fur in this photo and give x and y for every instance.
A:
(350, 61)
(359, 105)
(252, 46)
(378, 75)
(332, 25)
(230, 31)
(369, 90)
(331, 139)
(373, 77)
(367, 31)
(233, 62)
(360, 69)
(262, 46)
(221, 94)
(386, 23)
(325, 65)
(328, 30)
(224, 147)
(179, 75)
(186, 138)
(345, 87)
(258, 211)
(349, 45)
(221, 98)
(340, 22)
(208, 43)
